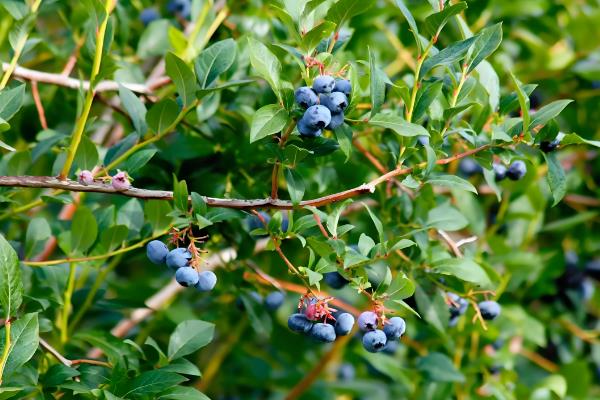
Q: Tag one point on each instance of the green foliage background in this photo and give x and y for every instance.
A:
(547, 336)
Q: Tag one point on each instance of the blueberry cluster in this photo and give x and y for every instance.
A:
(335, 280)
(324, 103)
(457, 306)
(178, 260)
(375, 340)
(514, 172)
(149, 15)
(182, 8)
(326, 332)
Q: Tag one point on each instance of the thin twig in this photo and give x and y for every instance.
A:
(38, 104)
(69, 363)
(451, 243)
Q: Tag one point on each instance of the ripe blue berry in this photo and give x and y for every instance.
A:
(344, 324)
(517, 170)
(178, 258)
(323, 84)
(317, 117)
(306, 97)
(499, 171)
(335, 279)
(186, 276)
(336, 121)
(469, 167)
(306, 130)
(453, 321)
(343, 86)
(274, 300)
(367, 321)
(390, 347)
(374, 341)
(394, 328)
(547, 146)
(157, 251)
(180, 7)
(323, 332)
(148, 15)
(458, 305)
(489, 309)
(336, 102)
(299, 323)
(346, 372)
(206, 281)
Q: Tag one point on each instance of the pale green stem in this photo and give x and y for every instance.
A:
(64, 322)
(415, 89)
(6, 351)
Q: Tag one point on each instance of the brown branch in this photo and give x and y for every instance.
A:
(69, 363)
(38, 104)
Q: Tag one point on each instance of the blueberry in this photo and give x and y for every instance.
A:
(453, 321)
(423, 140)
(346, 372)
(343, 86)
(317, 117)
(299, 323)
(367, 321)
(206, 281)
(274, 300)
(178, 258)
(336, 102)
(497, 345)
(285, 222)
(180, 7)
(323, 332)
(255, 223)
(489, 309)
(458, 305)
(499, 171)
(469, 167)
(306, 130)
(344, 324)
(148, 15)
(186, 276)
(517, 170)
(305, 97)
(335, 279)
(592, 268)
(394, 328)
(157, 251)
(547, 146)
(374, 341)
(390, 347)
(323, 84)
(337, 120)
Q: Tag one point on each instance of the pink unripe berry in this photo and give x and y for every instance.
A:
(86, 177)
(120, 181)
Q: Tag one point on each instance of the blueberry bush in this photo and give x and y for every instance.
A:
(316, 199)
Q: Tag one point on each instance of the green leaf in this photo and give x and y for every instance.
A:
(556, 178)
(377, 223)
(401, 287)
(24, 339)
(549, 111)
(315, 35)
(156, 212)
(398, 124)
(435, 22)
(162, 115)
(154, 40)
(180, 195)
(295, 185)
(11, 284)
(573, 138)
(183, 393)
(139, 159)
(215, 60)
(151, 382)
(446, 217)
(452, 181)
(84, 230)
(190, 336)
(87, 154)
(135, 108)
(11, 101)
(438, 367)
(377, 85)
(183, 78)
(38, 232)
(266, 121)
(265, 63)
(433, 309)
(523, 101)
(343, 134)
(451, 54)
(425, 97)
(227, 85)
(343, 10)
(464, 269)
(411, 21)
(182, 366)
(113, 237)
(486, 42)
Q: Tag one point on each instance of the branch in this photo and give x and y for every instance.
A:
(66, 361)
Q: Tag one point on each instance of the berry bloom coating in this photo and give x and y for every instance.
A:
(390, 347)
(305, 97)
(178, 258)
(459, 307)
(85, 177)
(374, 341)
(489, 309)
(499, 171)
(323, 333)
(343, 86)
(299, 323)
(517, 170)
(206, 281)
(346, 372)
(120, 181)
(157, 252)
(148, 15)
(306, 130)
(317, 117)
(344, 324)
(274, 300)
(469, 167)
(180, 7)
(367, 321)
(547, 146)
(337, 120)
(187, 276)
(394, 328)
(323, 84)
(336, 102)
(335, 279)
